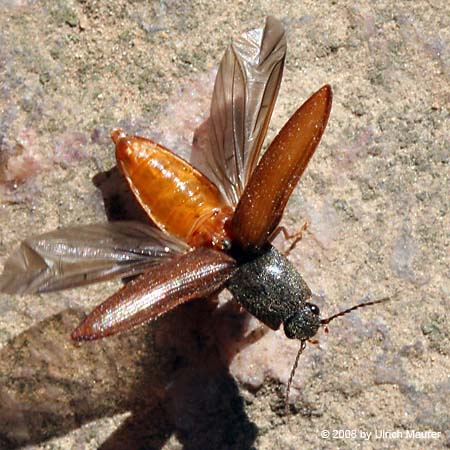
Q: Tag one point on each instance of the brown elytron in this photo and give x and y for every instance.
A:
(262, 204)
(187, 276)
(178, 198)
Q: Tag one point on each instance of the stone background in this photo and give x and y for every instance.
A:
(376, 195)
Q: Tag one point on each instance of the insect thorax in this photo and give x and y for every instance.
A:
(269, 287)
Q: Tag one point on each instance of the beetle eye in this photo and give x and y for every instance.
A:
(226, 244)
(313, 308)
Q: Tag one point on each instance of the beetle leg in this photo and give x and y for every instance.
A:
(254, 336)
(295, 237)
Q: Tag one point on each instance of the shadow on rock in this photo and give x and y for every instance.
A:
(118, 199)
(172, 377)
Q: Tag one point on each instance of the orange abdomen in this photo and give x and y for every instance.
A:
(177, 197)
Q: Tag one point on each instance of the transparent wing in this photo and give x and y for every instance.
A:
(245, 91)
(85, 254)
(193, 275)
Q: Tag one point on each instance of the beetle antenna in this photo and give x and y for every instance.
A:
(361, 305)
(291, 376)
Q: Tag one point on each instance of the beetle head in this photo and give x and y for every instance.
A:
(304, 323)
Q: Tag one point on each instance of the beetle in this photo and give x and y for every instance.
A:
(210, 232)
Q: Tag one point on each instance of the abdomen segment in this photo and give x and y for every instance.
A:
(177, 197)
